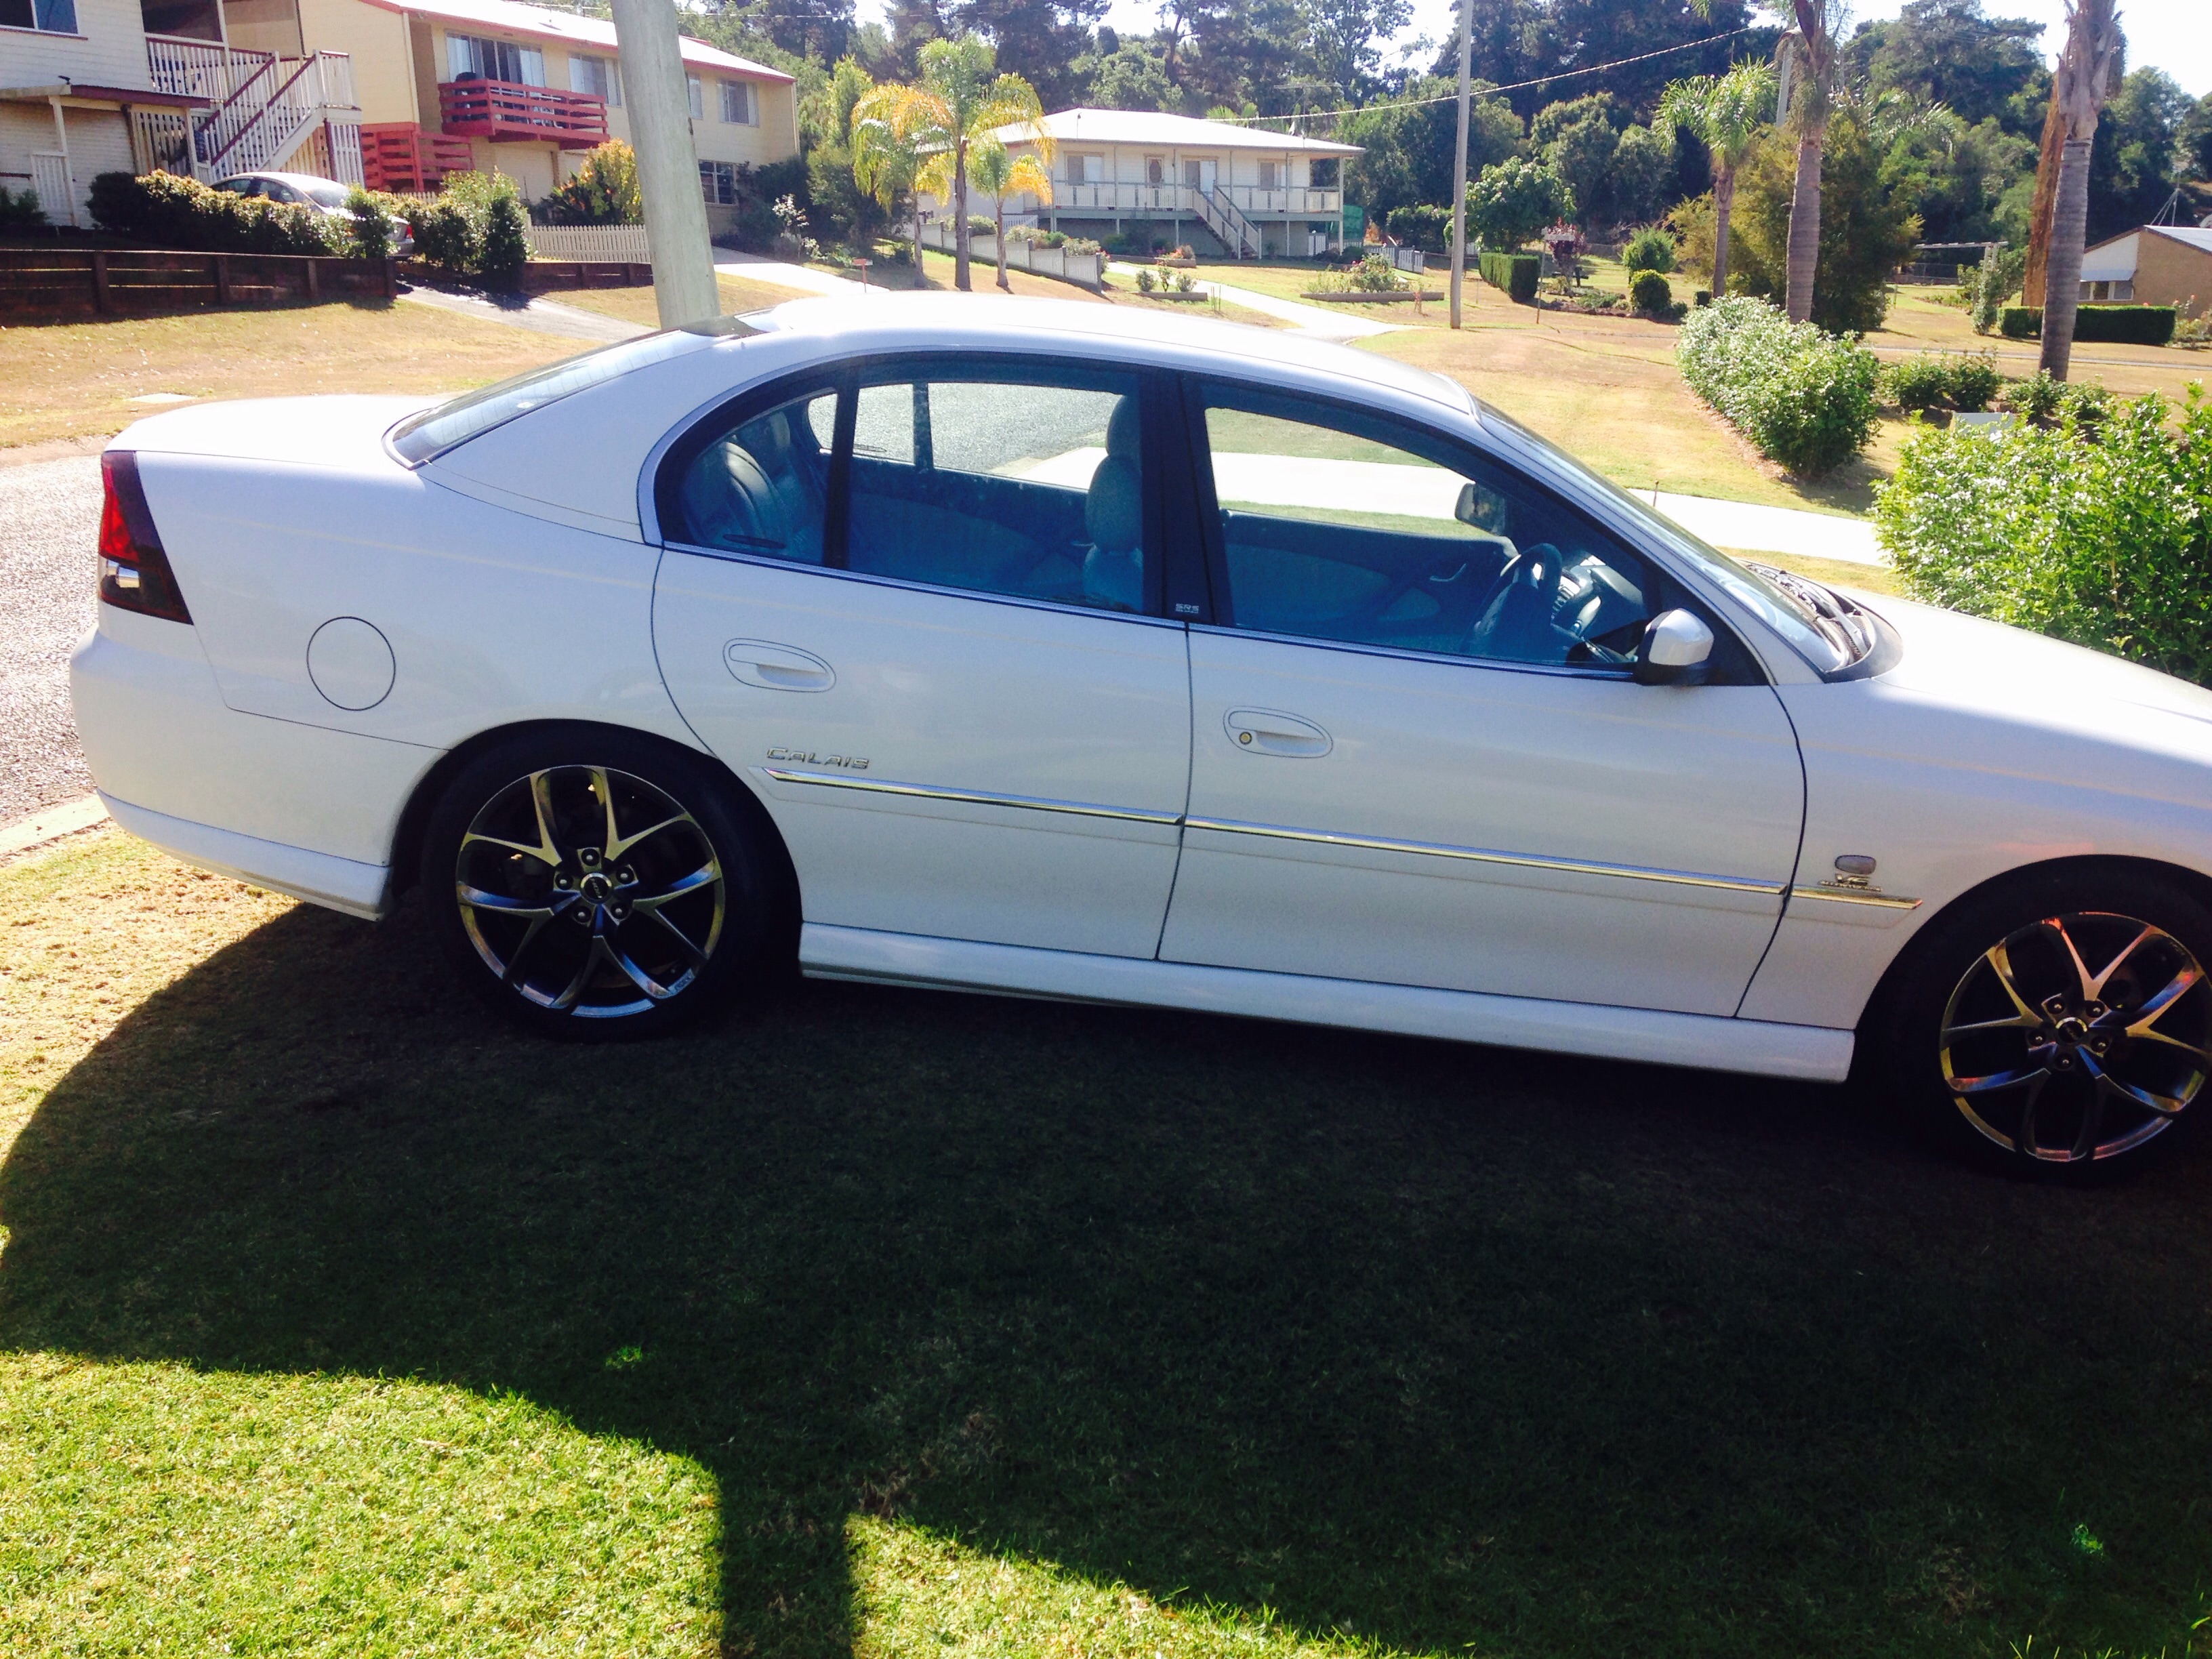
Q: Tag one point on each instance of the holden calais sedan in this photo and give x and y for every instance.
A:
(1030, 647)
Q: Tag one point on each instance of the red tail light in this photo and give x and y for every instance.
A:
(134, 571)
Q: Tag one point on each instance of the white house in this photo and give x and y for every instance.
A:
(1217, 185)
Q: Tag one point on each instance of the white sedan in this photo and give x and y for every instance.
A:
(1037, 648)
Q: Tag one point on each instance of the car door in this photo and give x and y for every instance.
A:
(1418, 754)
(915, 605)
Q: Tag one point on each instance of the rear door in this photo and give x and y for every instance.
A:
(915, 604)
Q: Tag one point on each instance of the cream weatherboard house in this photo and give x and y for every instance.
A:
(396, 94)
(1216, 185)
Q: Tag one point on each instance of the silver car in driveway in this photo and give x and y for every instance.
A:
(326, 196)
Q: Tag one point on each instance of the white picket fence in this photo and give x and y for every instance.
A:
(611, 243)
(1088, 270)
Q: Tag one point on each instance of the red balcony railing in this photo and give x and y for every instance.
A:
(399, 155)
(506, 111)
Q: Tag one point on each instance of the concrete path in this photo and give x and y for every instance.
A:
(49, 529)
(538, 316)
(1741, 526)
(804, 278)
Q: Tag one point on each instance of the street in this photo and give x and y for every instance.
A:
(49, 525)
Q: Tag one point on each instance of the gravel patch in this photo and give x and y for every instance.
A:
(49, 525)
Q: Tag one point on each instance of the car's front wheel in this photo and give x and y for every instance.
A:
(2061, 1023)
(594, 886)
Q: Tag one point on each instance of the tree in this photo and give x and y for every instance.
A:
(1039, 40)
(1408, 145)
(1582, 155)
(1807, 59)
(1514, 200)
(2086, 66)
(2195, 140)
(2136, 158)
(1725, 114)
(1947, 51)
(1134, 75)
(999, 173)
(1341, 37)
(892, 127)
(1868, 224)
(1642, 171)
(963, 102)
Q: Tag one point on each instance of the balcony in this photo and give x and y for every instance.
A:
(506, 111)
(399, 155)
(1297, 202)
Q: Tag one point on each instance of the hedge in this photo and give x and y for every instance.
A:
(2107, 324)
(2101, 540)
(165, 211)
(1517, 273)
(1803, 397)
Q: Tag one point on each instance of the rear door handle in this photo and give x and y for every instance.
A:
(777, 668)
(1270, 731)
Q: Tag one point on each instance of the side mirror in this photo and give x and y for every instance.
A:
(1676, 646)
(1480, 509)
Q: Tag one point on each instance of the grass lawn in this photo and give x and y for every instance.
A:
(335, 1319)
(76, 380)
(636, 305)
(937, 274)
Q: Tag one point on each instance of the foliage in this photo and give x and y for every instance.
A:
(1649, 249)
(1514, 200)
(1146, 282)
(1867, 225)
(1422, 225)
(1920, 381)
(2103, 542)
(1648, 294)
(1975, 379)
(2152, 326)
(893, 127)
(1583, 157)
(1641, 183)
(20, 210)
(1947, 52)
(959, 103)
(1995, 280)
(1515, 273)
(1723, 113)
(448, 235)
(2133, 161)
(1409, 146)
(163, 210)
(475, 230)
(506, 243)
(1374, 275)
(2037, 399)
(373, 229)
(1804, 398)
(602, 193)
(2019, 322)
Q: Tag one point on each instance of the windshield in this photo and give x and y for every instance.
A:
(1827, 631)
(422, 437)
(329, 196)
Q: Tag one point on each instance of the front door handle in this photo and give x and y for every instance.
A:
(777, 668)
(1270, 731)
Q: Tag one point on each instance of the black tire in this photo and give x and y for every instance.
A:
(527, 906)
(2101, 1080)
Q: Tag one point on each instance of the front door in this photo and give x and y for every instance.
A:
(1417, 757)
(916, 610)
(1199, 173)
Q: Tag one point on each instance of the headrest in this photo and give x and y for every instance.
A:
(1121, 429)
(1114, 513)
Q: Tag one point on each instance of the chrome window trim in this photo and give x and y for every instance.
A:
(972, 797)
(1402, 653)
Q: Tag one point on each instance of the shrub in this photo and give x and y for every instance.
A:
(2019, 322)
(2035, 399)
(1514, 200)
(1649, 249)
(2106, 325)
(373, 233)
(1517, 273)
(20, 212)
(1995, 280)
(1921, 381)
(1803, 397)
(448, 235)
(2103, 542)
(1146, 282)
(1648, 294)
(602, 193)
(1423, 226)
(506, 244)
(1375, 275)
(163, 210)
(1974, 381)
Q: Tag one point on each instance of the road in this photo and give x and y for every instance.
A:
(49, 525)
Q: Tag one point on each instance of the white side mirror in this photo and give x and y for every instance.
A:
(1676, 644)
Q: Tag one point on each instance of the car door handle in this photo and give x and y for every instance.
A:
(777, 668)
(1269, 732)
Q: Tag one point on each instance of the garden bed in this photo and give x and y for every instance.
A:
(1357, 298)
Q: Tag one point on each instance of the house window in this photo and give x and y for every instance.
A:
(597, 76)
(1322, 172)
(1270, 175)
(739, 107)
(55, 16)
(1156, 170)
(468, 55)
(1086, 169)
(718, 182)
(698, 98)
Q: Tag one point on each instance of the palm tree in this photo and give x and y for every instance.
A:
(892, 129)
(1725, 114)
(2083, 80)
(999, 173)
(967, 105)
(1808, 61)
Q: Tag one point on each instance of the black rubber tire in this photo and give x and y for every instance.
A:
(1901, 1040)
(755, 947)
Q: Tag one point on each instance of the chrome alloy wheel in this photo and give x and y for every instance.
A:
(589, 891)
(2064, 1062)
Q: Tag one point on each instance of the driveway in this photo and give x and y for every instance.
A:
(49, 527)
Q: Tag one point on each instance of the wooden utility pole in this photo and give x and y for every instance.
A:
(1459, 162)
(659, 108)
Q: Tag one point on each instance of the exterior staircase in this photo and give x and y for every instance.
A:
(265, 110)
(1223, 217)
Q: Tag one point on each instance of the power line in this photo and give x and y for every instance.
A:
(1490, 91)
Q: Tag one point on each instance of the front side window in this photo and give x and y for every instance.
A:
(1332, 524)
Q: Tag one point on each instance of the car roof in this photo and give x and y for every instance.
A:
(893, 322)
(288, 178)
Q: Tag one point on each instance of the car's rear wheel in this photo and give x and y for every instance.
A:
(2059, 1024)
(594, 886)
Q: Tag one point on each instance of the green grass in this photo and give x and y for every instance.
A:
(334, 1319)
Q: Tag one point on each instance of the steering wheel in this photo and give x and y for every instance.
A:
(1520, 595)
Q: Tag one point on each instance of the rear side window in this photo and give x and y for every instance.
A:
(763, 486)
(423, 437)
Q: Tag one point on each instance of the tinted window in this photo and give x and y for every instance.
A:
(763, 486)
(1030, 485)
(1337, 525)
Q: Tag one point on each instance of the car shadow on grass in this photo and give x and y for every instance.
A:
(1448, 1347)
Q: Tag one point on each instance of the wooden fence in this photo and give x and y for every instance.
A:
(65, 282)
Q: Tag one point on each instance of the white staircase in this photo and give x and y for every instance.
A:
(265, 109)
(1237, 233)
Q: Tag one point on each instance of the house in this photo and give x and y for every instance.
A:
(1219, 186)
(2154, 265)
(395, 93)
